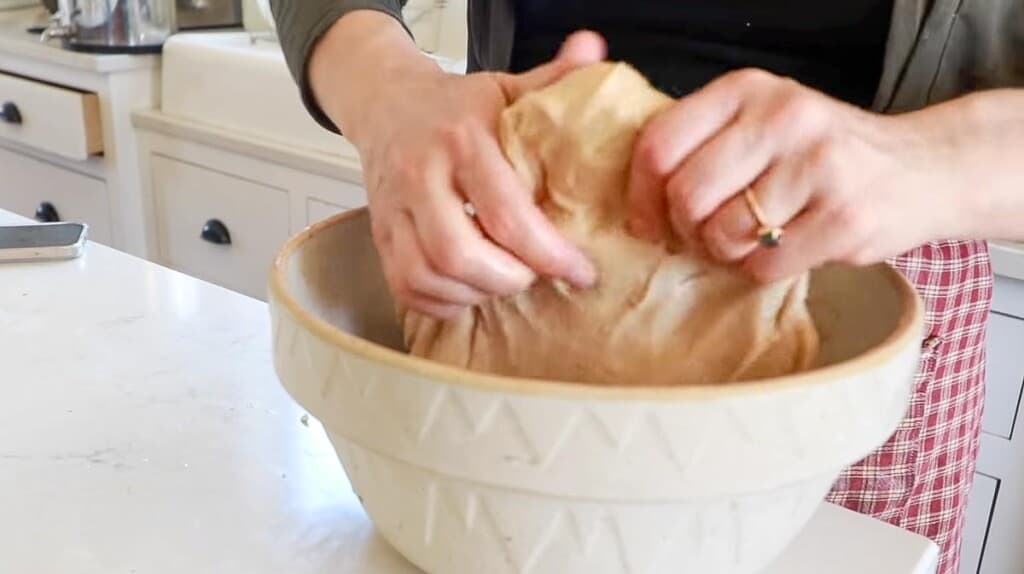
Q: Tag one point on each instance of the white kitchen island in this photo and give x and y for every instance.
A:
(143, 430)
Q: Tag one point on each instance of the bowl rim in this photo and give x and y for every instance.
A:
(908, 332)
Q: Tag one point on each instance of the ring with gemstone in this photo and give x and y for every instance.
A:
(767, 235)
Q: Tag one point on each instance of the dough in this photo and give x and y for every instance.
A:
(660, 314)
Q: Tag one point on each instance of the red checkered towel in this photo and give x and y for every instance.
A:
(920, 479)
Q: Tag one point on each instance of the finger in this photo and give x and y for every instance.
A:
(725, 165)
(646, 204)
(583, 47)
(579, 49)
(392, 259)
(507, 212)
(421, 279)
(456, 248)
(806, 245)
(665, 142)
(730, 234)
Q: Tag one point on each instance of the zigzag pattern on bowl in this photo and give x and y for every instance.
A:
(444, 524)
(542, 443)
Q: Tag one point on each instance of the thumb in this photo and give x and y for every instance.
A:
(578, 50)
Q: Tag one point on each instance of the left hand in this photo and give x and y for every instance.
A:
(846, 185)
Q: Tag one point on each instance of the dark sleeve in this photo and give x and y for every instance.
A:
(301, 24)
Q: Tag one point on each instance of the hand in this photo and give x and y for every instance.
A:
(428, 145)
(846, 185)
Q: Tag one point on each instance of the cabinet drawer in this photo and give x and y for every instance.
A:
(52, 118)
(188, 197)
(28, 183)
(319, 210)
(1005, 374)
(330, 196)
(979, 511)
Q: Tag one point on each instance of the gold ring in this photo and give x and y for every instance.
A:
(767, 235)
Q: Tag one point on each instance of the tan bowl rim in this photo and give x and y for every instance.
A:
(907, 332)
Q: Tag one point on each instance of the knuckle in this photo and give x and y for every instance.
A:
(650, 156)
(801, 111)
(402, 290)
(715, 241)
(417, 278)
(750, 77)
(684, 201)
(381, 234)
(458, 137)
(502, 225)
(826, 162)
(517, 285)
(451, 260)
(851, 222)
(406, 173)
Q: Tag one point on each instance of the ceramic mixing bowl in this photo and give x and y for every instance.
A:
(465, 473)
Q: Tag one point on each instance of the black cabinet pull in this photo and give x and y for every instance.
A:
(214, 231)
(10, 113)
(47, 213)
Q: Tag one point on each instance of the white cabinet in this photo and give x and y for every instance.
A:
(253, 192)
(1005, 376)
(218, 227)
(30, 184)
(995, 517)
(979, 511)
(67, 138)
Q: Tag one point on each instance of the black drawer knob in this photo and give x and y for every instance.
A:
(10, 113)
(214, 231)
(47, 213)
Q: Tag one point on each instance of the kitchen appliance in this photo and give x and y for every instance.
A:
(112, 26)
(197, 14)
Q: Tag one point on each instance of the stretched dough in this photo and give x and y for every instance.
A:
(660, 314)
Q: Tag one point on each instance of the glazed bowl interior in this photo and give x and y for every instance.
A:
(330, 276)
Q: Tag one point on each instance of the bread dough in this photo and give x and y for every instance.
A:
(660, 314)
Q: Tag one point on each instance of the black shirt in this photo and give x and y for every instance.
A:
(835, 46)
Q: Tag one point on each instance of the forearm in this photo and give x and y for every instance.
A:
(984, 137)
(361, 55)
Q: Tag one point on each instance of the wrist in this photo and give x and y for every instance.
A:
(356, 66)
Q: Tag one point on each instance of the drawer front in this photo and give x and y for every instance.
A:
(979, 510)
(318, 210)
(1005, 374)
(190, 198)
(327, 197)
(29, 183)
(51, 118)
(1008, 296)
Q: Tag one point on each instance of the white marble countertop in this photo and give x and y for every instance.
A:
(143, 430)
(15, 40)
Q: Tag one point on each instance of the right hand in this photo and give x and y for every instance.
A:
(428, 145)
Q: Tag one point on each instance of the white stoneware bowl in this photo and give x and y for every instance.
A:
(465, 473)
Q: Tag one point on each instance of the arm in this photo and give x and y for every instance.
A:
(304, 25)
(428, 144)
(340, 77)
(984, 136)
